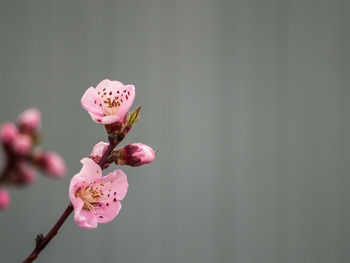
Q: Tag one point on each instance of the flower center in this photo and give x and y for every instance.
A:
(112, 100)
(91, 196)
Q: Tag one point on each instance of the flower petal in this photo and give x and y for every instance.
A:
(108, 85)
(99, 149)
(114, 185)
(90, 169)
(106, 213)
(91, 102)
(127, 98)
(84, 218)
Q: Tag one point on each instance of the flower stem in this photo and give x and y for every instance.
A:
(42, 241)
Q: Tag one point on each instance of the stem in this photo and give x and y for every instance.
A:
(43, 241)
(104, 157)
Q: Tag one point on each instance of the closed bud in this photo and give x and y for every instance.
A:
(22, 144)
(51, 163)
(135, 154)
(8, 132)
(134, 116)
(4, 199)
(29, 121)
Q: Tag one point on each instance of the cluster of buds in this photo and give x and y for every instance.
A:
(20, 144)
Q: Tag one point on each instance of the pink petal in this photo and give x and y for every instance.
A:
(108, 85)
(106, 213)
(99, 149)
(90, 169)
(91, 102)
(128, 99)
(84, 218)
(109, 119)
(115, 185)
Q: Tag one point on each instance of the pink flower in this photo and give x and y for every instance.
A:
(4, 198)
(8, 132)
(135, 154)
(30, 120)
(22, 144)
(52, 164)
(109, 102)
(95, 198)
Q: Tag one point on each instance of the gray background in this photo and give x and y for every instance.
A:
(247, 102)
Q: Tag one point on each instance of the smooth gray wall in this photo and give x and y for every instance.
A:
(247, 102)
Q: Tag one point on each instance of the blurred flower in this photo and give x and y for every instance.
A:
(30, 120)
(135, 154)
(4, 198)
(8, 132)
(95, 198)
(22, 174)
(109, 102)
(22, 144)
(51, 163)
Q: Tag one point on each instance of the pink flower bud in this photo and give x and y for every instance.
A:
(23, 174)
(135, 154)
(4, 199)
(22, 144)
(52, 164)
(30, 120)
(8, 132)
(97, 152)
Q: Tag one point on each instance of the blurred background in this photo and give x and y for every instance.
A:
(246, 101)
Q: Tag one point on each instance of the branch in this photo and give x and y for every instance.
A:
(41, 241)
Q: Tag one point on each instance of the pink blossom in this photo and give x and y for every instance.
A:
(52, 163)
(109, 102)
(22, 144)
(8, 132)
(95, 198)
(30, 120)
(135, 154)
(4, 199)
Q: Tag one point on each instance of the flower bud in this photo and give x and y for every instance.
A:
(22, 175)
(98, 150)
(4, 199)
(51, 163)
(22, 144)
(30, 120)
(8, 132)
(135, 154)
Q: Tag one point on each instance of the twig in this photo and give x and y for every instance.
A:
(42, 241)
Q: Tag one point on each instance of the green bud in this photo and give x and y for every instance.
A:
(134, 116)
